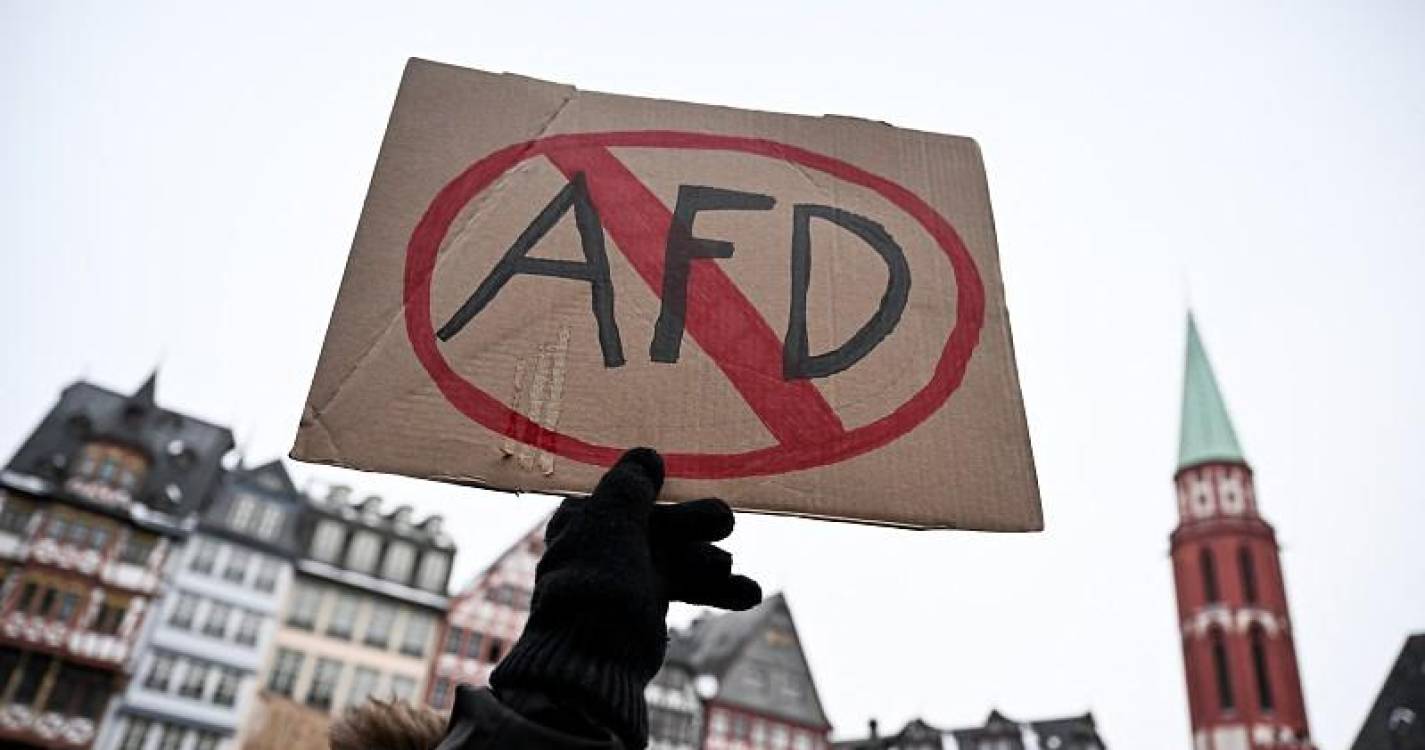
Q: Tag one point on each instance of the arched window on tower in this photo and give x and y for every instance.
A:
(1209, 575)
(1249, 574)
(1258, 638)
(1225, 699)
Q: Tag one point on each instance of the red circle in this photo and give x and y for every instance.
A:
(496, 416)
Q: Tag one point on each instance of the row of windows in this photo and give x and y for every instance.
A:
(113, 465)
(193, 679)
(327, 674)
(25, 675)
(759, 733)
(1246, 568)
(765, 680)
(472, 644)
(217, 619)
(254, 516)
(60, 600)
(363, 549)
(85, 531)
(348, 610)
(237, 566)
(137, 732)
(676, 727)
(1261, 674)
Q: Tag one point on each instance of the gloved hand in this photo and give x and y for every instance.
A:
(596, 632)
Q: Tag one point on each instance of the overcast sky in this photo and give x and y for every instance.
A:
(179, 187)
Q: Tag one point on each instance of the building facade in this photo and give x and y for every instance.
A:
(1244, 688)
(753, 679)
(91, 507)
(484, 620)
(361, 616)
(196, 668)
(999, 732)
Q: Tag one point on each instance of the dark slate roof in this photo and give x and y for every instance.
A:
(915, 734)
(1073, 732)
(269, 482)
(713, 643)
(716, 644)
(185, 453)
(1397, 719)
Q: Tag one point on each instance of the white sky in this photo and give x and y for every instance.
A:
(180, 186)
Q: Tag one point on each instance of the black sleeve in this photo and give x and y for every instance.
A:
(480, 721)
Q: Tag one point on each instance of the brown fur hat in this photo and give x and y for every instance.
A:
(388, 725)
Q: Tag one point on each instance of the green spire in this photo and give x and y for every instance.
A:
(1207, 433)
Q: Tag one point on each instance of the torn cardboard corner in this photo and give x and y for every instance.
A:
(804, 315)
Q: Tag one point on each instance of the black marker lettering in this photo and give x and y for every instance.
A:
(682, 248)
(796, 361)
(595, 269)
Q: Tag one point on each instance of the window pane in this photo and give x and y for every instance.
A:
(306, 600)
(194, 680)
(216, 624)
(183, 609)
(342, 616)
(378, 628)
(203, 557)
(363, 685)
(402, 688)
(416, 635)
(324, 681)
(285, 669)
(267, 575)
(236, 569)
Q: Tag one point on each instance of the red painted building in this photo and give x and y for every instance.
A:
(1244, 689)
(484, 620)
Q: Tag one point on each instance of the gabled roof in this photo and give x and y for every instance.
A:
(536, 533)
(184, 453)
(714, 642)
(1206, 434)
(714, 645)
(1397, 718)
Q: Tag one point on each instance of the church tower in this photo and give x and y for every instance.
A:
(1244, 692)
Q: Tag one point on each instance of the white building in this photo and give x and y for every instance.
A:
(195, 671)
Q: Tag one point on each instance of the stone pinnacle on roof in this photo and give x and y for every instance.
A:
(1206, 429)
(147, 393)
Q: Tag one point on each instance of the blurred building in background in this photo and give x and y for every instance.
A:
(1244, 690)
(998, 733)
(1397, 718)
(753, 679)
(196, 668)
(484, 619)
(361, 616)
(91, 507)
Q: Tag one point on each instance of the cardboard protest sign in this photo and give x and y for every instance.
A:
(803, 314)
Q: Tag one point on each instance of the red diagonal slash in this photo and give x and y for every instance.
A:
(719, 317)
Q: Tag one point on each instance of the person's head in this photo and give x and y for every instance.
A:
(393, 725)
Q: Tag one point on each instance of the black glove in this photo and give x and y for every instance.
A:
(596, 632)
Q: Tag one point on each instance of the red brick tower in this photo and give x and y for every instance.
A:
(1244, 692)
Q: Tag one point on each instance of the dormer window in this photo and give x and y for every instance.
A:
(270, 523)
(327, 542)
(243, 513)
(112, 465)
(365, 546)
(400, 557)
(434, 566)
